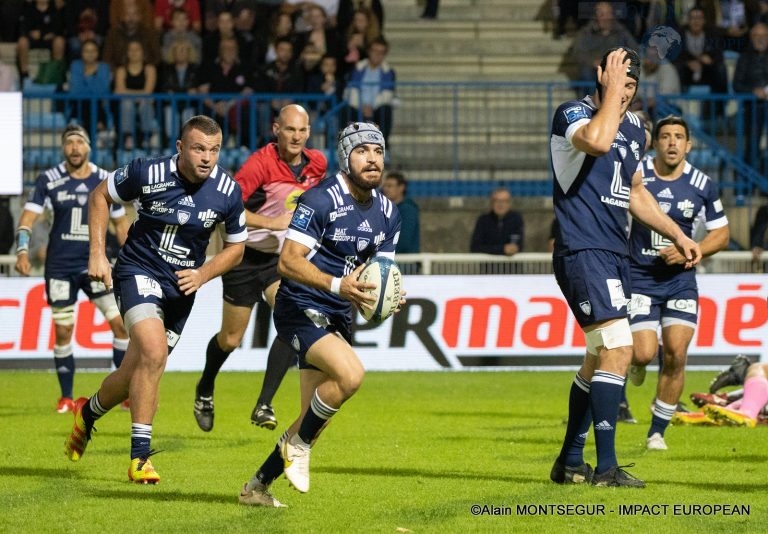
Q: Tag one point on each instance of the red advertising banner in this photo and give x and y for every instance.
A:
(450, 322)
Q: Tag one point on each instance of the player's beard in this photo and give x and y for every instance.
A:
(78, 162)
(365, 184)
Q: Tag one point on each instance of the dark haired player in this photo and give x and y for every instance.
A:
(64, 189)
(664, 292)
(337, 226)
(181, 199)
(596, 147)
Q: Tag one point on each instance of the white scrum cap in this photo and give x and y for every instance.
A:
(354, 135)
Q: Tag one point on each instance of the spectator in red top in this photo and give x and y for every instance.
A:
(164, 11)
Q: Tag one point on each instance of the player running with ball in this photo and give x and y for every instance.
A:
(338, 225)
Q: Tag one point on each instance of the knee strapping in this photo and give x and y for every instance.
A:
(63, 316)
(613, 336)
(107, 306)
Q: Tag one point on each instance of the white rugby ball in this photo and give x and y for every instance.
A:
(386, 275)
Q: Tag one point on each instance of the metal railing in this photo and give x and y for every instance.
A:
(453, 139)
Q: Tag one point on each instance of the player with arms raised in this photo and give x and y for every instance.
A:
(596, 147)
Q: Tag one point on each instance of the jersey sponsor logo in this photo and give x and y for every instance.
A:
(665, 206)
(635, 148)
(575, 113)
(160, 207)
(183, 216)
(340, 235)
(616, 293)
(58, 289)
(302, 216)
(639, 305)
(64, 196)
(620, 136)
(146, 286)
(665, 193)
(77, 230)
(686, 206)
(208, 217)
(649, 252)
(379, 239)
(172, 338)
(56, 183)
(340, 212)
(683, 305)
(365, 226)
(603, 425)
(658, 241)
(187, 201)
(718, 206)
(168, 244)
(619, 191)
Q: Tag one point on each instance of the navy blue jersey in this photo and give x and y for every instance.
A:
(691, 197)
(67, 198)
(175, 217)
(591, 194)
(341, 234)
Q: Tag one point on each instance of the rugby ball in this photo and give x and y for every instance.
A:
(386, 275)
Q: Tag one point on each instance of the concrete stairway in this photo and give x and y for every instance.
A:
(502, 133)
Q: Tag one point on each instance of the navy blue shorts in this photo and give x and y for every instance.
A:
(244, 284)
(303, 328)
(595, 284)
(61, 291)
(665, 302)
(133, 289)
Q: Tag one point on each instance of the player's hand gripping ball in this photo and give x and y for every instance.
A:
(386, 275)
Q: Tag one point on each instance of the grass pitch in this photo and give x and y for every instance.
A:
(410, 452)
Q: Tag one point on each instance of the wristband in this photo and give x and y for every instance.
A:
(336, 286)
(23, 234)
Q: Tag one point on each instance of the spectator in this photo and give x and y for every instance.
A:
(701, 61)
(751, 76)
(90, 78)
(324, 79)
(733, 18)
(395, 188)
(500, 231)
(130, 28)
(180, 31)
(280, 25)
(245, 29)
(322, 38)
(599, 35)
(164, 12)
(225, 75)
(41, 26)
(430, 9)
(225, 29)
(144, 9)
(179, 75)
(660, 77)
(347, 9)
(370, 91)
(10, 13)
(98, 9)
(757, 233)
(84, 29)
(330, 10)
(363, 30)
(9, 78)
(136, 77)
(282, 76)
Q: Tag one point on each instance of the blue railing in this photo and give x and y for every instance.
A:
(451, 139)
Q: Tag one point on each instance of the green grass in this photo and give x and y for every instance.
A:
(410, 451)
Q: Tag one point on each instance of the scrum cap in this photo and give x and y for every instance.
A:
(354, 135)
(633, 69)
(76, 130)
